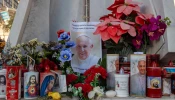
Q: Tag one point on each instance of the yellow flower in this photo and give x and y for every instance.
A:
(54, 95)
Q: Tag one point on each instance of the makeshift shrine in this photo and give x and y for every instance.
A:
(95, 60)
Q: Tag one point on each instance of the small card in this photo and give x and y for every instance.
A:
(30, 61)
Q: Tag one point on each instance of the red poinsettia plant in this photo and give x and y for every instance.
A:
(87, 85)
(127, 26)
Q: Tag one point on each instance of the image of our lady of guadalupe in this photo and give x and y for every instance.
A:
(32, 87)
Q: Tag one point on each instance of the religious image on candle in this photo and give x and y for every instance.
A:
(138, 75)
(3, 83)
(88, 46)
(112, 67)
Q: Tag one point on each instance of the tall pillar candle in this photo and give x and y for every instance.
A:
(31, 84)
(154, 87)
(122, 85)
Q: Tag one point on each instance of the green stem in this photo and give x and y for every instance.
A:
(145, 41)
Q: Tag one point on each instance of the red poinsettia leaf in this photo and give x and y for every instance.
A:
(136, 8)
(112, 30)
(139, 20)
(97, 31)
(121, 32)
(112, 7)
(128, 10)
(118, 15)
(124, 26)
(102, 28)
(120, 9)
(115, 38)
(115, 23)
(132, 31)
(102, 24)
(128, 1)
(112, 19)
(105, 36)
(116, 3)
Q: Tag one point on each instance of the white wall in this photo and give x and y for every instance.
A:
(62, 12)
(37, 25)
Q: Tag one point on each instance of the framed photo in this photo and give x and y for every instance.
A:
(112, 67)
(138, 75)
(60, 82)
(88, 49)
(3, 83)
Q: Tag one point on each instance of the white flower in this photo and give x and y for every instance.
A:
(68, 71)
(98, 91)
(70, 89)
(61, 64)
(91, 94)
(40, 53)
(18, 46)
(43, 42)
(33, 40)
(22, 44)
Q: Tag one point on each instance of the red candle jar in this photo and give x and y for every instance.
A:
(155, 58)
(154, 82)
(173, 83)
(148, 60)
(23, 70)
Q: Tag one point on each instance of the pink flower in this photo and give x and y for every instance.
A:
(112, 28)
(125, 7)
(108, 29)
(141, 19)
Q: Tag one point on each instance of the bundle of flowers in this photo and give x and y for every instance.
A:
(87, 86)
(127, 26)
(31, 48)
(60, 51)
(14, 56)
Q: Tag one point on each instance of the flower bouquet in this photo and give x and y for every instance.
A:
(89, 85)
(128, 27)
(14, 56)
(31, 48)
(60, 51)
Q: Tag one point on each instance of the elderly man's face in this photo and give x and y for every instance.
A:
(83, 47)
(142, 67)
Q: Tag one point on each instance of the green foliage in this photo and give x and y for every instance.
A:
(15, 56)
(102, 62)
(31, 48)
(167, 21)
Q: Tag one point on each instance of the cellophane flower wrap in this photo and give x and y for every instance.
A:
(89, 85)
(127, 26)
